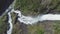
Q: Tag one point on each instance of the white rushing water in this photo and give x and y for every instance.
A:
(9, 11)
(50, 17)
(10, 22)
(29, 19)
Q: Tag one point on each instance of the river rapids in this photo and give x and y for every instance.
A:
(29, 19)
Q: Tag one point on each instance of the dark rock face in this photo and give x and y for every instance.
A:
(4, 4)
(23, 27)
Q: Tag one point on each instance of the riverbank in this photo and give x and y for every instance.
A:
(23, 24)
(3, 24)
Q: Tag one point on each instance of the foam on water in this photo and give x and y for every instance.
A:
(50, 17)
(10, 22)
(29, 19)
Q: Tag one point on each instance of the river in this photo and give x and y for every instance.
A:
(28, 19)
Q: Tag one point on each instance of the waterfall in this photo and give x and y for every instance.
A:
(31, 20)
(28, 19)
(50, 17)
(10, 22)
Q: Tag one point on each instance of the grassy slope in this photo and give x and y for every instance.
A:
(3, 24)
(39, 28)
(34, 7)
(17, 28)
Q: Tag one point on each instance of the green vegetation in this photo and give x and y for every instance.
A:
(27, 6)
(34, 7)
(39, 31)
(16, 25)
(36, 29)
(3, 24)
(32, 29)
(56, 26)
